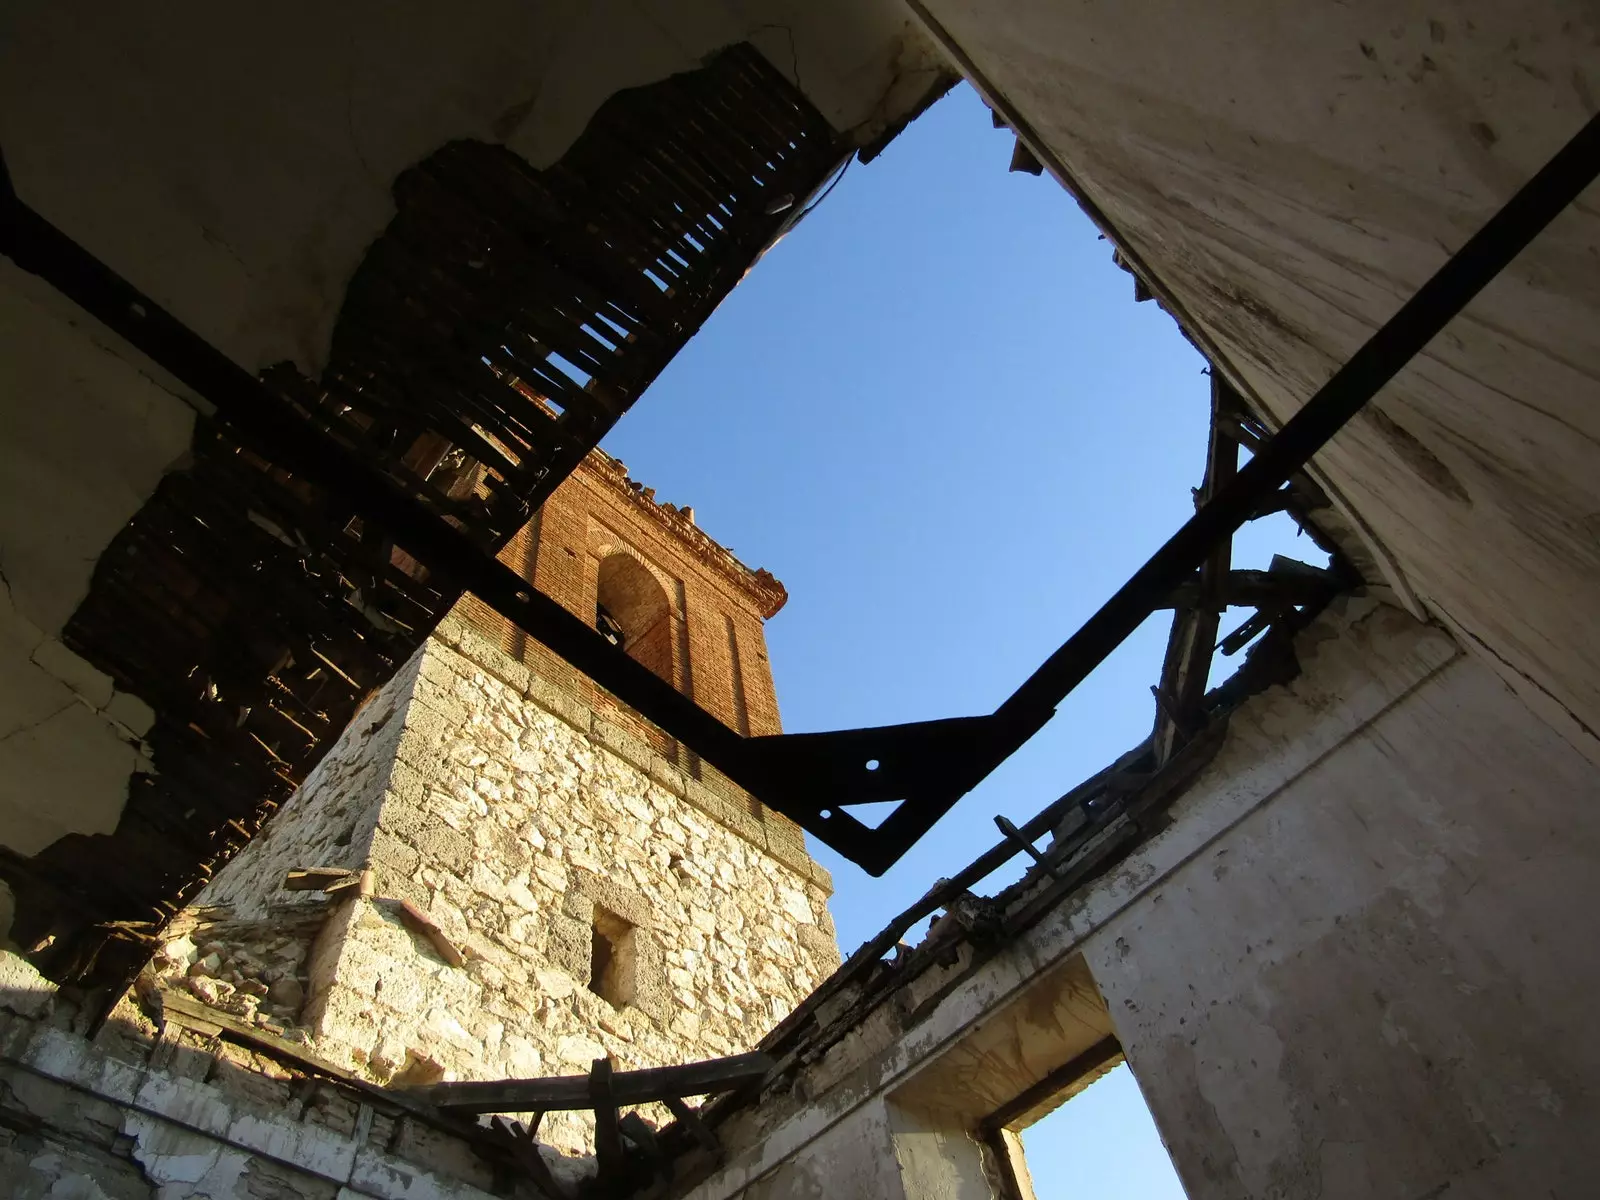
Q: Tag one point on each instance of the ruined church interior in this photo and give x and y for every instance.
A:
(394, 800)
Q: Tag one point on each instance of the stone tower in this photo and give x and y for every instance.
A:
(551, 878)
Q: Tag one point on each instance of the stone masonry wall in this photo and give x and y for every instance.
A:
(149, 1110)
(716, 604)
(521, 823)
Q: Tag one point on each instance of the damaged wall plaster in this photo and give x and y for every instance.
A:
(87, 437)
(1348, 963)
(252, 243)
(1292, 182)
(1373, 986)
(133, 1116)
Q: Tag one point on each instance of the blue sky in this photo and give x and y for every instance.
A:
(936, 413)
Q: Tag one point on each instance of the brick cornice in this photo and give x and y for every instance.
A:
(758, 583)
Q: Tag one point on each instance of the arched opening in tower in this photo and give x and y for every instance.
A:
(632, 609)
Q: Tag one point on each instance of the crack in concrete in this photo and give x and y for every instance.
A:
(32, 725)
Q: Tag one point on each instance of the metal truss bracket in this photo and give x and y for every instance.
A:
(821, 780)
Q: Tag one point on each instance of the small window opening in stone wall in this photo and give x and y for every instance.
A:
(632, 610)
(613, 958)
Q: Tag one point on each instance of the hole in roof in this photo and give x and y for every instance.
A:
(608, 323)
(575, 373)
(935, 411)
(873, 814)
(602, 338)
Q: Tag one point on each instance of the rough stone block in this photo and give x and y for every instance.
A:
(578, 905)
(389, 851)
(439, 845)
(792, 856)
(623, 744)
(443, 668)
(399, 887)
(426, 732)
(651, 992)
(667, 774)
(404, 818)
(570, 945)
(453, 628)
(821, 876)
(618, 898)
(473, 645)
(738, 817)
(786, 842)
(483, 654)
(823, 946)
(406, 785)
(706, 800)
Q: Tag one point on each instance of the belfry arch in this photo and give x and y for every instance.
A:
(633, 609)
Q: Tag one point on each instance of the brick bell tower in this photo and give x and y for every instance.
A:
(544, 878)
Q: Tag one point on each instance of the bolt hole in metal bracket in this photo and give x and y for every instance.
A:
(921, 768)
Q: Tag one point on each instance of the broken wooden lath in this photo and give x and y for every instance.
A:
(491, 336)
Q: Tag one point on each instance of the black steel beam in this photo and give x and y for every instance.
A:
(924, 767)
(930, 786)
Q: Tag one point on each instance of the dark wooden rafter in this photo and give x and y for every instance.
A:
(492, 334)
(627, 1151)
(1286, 588)
(647, 1086)
(1182, 686)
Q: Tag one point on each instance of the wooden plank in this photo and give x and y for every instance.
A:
(314, 879)
(1187, 668)
(607, 1132)
(415, 919)
(689, 1118)
(524, 1152)
(1063, 1077)
(653, 1084)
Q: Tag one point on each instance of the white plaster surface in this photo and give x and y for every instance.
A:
(1374, 986)
(240, 189)
(1348, 968)
(86, 437)
(1292, 176)
(857, 1158)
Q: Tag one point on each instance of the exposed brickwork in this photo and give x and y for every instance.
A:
(711, 644)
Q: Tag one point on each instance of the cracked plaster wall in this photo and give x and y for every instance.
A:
(131, 1116)
(1353, 964)
(87, 436)
(1377, 985)
(252, 242)
(1292, 177)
